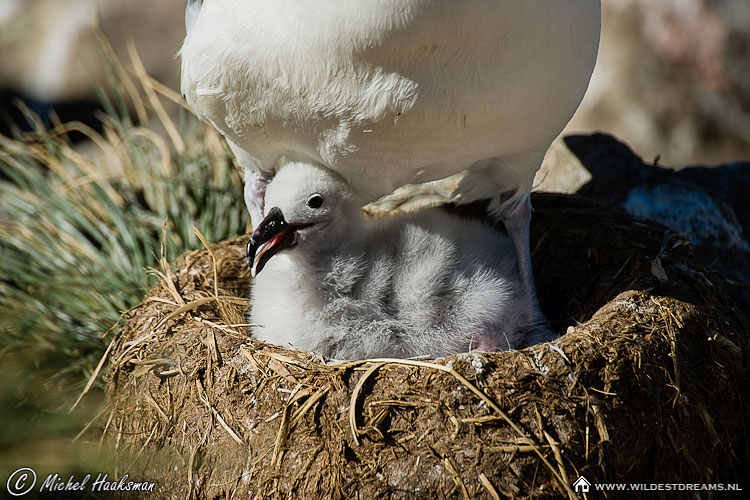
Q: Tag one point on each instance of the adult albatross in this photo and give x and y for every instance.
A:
(391, 92)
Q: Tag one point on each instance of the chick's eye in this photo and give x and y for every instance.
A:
(315, 201)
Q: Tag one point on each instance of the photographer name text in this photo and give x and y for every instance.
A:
(24, 480)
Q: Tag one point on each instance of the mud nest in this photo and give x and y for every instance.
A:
(647, 384)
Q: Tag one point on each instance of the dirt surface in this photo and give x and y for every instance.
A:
(647, 384)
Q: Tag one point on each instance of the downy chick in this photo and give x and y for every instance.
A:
(332, 281)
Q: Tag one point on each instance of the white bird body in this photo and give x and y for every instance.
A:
(424, 283)
(391, 92)
(394, 91)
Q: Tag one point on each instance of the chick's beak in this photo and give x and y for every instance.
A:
(271, 236)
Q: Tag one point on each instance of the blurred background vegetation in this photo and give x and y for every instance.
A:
(96, 154)
(83, 215)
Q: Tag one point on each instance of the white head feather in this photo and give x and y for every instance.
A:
(413, 284)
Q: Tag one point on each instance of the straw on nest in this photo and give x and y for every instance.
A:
(648, 385)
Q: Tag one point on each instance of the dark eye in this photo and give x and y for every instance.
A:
(315, 201)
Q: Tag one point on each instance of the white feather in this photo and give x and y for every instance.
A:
(392, 92)
(407, 285)
(192, 10)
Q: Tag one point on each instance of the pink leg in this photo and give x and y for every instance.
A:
(485, 341)
(516, 218)
(255, 193)
(491, 340)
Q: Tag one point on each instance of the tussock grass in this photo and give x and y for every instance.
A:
(80, 225)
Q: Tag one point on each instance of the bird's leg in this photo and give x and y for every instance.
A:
(255, 193)
(516, 216)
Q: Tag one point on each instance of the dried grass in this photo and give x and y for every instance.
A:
(649, 385)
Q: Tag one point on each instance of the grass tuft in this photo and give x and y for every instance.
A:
(81, 224)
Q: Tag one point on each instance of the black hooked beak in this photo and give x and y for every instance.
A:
(271, 236)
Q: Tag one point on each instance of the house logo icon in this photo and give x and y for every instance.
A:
(581, 485)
